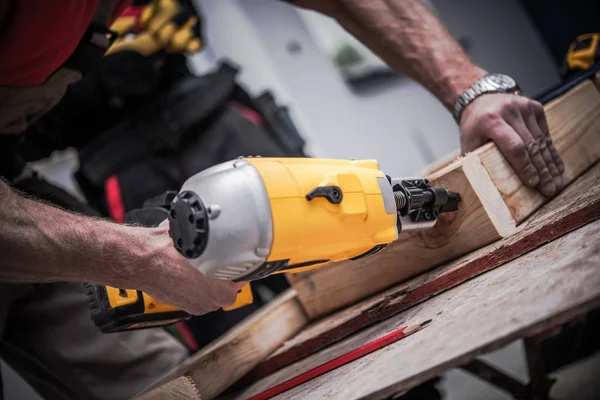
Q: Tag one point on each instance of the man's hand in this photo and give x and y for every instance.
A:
(168, 277)
(518, 127)
(41, 243)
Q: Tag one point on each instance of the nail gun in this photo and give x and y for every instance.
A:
(251, 217)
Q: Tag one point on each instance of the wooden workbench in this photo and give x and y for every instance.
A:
(330, 311)
(541, 290)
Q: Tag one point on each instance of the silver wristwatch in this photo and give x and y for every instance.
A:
(490, 83)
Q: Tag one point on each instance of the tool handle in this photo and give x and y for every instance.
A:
(118, 310)
(244, 298)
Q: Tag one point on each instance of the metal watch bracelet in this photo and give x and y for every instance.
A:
(489, 83)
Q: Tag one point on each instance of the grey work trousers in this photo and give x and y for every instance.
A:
(48, 338)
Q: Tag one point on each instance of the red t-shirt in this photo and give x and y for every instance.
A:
(38, 36)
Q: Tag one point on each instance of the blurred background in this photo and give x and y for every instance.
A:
(344, 100)
(346, 103)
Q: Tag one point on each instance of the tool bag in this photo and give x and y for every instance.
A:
(194, 124)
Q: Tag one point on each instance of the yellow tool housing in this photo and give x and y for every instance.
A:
(264, 216)
(316, 232)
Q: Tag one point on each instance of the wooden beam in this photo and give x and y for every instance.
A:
(494, 202)
(542, 290)
(179, 388)
(440, 164)
(214, 368)
(482, 218)
(576, 206)
(574, 122)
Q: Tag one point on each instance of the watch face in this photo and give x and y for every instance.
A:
(502, 81)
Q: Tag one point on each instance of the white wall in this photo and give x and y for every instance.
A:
(232, 36)
(344, 126)
(404, 127)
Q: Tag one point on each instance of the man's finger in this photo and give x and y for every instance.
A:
(513, 148)
(227, 293)
(543, 124)
(239, 285)
(545, 184)
(529, 116)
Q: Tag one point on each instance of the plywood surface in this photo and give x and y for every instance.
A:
(219, 365)
(548, 286)
(494, 202)
(179, 388)
(577, 205)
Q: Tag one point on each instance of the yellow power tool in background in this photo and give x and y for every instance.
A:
(582, 53)
(249, 218)
(168, 26)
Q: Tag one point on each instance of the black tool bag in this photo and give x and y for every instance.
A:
(187, 128)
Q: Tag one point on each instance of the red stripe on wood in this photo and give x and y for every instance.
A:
(333, 364)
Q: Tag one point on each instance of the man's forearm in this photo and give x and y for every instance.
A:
(410, 38)
(41, 243)
(407, 35)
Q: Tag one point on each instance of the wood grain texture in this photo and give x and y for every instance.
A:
(220, 364)
(494, 202)
(482, 218)
(547, 287)
(574, 207)
(574, 123)
(439, 164)
(180, 388)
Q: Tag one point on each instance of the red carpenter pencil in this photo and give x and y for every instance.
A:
(337, 362)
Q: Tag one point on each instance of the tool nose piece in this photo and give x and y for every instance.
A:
(452, 202)
(189, 227)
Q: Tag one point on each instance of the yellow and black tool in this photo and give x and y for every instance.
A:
(162, 26)
(582, 53)
(249, 218)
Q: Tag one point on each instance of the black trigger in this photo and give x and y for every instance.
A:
(333, 194)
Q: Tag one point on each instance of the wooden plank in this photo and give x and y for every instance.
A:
(439, 164)
(545, 288)
(575, 206)
(219, 365)
(482, 218)
(574, 123)
(486, 214)
(180, 388)
(351, 355)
